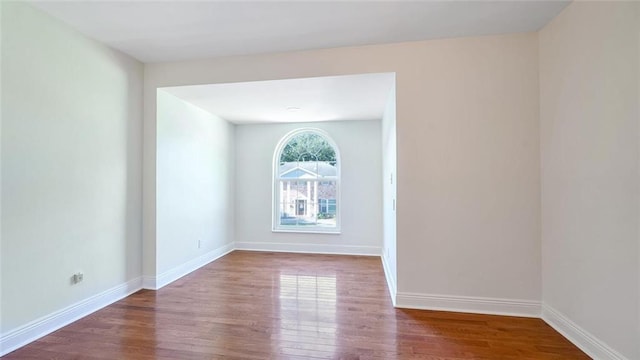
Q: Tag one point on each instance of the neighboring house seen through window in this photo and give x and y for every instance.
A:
(306, 182)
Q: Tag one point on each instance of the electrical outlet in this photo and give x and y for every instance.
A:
(199, 244)
(77, 277)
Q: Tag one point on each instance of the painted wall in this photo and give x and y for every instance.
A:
(360, 197)
(1, 326)
(468, 210)
(589, 67)
(389, 180)
(195, 182)
(71, 166)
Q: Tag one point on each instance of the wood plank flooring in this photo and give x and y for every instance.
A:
(254, 305)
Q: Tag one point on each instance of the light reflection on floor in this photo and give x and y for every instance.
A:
(308, 309)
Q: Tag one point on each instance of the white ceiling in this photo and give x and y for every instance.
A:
(158, 31)
(350, 97)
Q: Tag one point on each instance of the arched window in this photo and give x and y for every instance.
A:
(306, 168)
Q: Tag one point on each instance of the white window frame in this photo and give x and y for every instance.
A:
(276, 227)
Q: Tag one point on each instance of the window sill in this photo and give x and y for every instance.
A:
(309, 231)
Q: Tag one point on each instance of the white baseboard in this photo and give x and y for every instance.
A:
(581, 338)
(391, 282)
(38, 328)
(467, 304)
(169, 276)
(149, 282)
(310, 248)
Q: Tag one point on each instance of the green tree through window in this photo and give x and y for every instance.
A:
(308, 147)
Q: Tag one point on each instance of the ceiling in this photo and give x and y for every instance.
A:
(160, 31)
(349, 97)
(174, 30)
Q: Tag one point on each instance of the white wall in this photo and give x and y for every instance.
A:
(389, 156)
(1, 326)
(360, 197)
(589, 66)
(195, 183)
(71, 166)
(468, 205)
(468, 179)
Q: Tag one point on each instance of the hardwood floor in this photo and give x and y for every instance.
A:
(253, 305)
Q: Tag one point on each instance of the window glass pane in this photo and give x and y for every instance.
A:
(299, 206)
(308, 147)
(327, 211)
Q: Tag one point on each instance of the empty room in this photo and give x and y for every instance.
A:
(320, 180)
